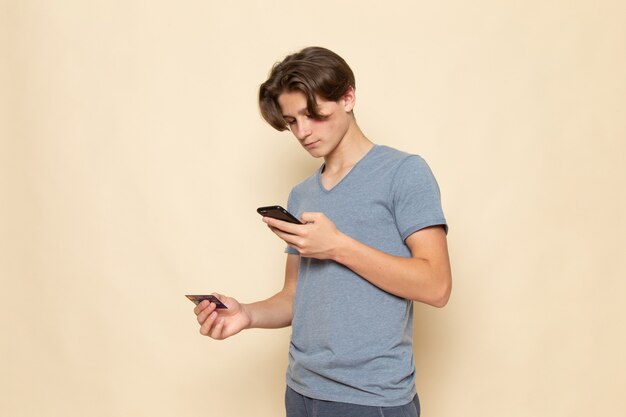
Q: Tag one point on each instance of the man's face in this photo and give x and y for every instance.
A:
(318, 137)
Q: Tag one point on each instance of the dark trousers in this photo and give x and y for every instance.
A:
(298, 405)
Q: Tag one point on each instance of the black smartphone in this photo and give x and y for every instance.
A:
(196, 299)
(277, 212)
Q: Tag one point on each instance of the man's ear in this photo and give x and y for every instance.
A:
(349, 99)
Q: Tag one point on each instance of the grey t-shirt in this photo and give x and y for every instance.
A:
(351, 341)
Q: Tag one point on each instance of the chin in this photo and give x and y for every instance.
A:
(316, 154)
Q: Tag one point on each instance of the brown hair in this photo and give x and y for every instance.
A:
(312, 71)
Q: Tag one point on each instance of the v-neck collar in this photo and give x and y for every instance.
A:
(321, 170)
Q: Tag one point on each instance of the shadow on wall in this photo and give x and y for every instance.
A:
(432, 343)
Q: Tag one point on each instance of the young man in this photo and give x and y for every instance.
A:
(373, 241)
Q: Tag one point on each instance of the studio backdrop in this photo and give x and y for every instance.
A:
(133, 157)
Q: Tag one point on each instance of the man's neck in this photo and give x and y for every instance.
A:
(352, 148)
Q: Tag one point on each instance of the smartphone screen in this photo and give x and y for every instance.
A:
(277, 212)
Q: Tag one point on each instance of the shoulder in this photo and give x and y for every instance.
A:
(399, 161)
(408, 172)
(387, 153)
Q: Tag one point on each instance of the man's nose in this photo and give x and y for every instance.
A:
(303, 129)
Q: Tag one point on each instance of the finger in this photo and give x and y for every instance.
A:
(221, 297)
(290, 239)
(311, 217)
(204, 314)
(201, 306)
(290, 228)
(205, 328)
(217, 330)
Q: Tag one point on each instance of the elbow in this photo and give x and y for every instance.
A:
(440, 302)
(441, 294)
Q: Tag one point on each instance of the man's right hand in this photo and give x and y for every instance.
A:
(221, 323)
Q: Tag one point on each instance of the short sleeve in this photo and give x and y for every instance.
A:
(416, 197)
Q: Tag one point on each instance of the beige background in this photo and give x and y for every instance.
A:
(132, 158)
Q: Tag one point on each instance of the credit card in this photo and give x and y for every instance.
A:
(196, 299)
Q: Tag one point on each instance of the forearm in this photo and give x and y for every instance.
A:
(424, 277)
(273, 313)
(412, 278)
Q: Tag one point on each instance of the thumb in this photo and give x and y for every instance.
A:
(311, 217)
(220, 297)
